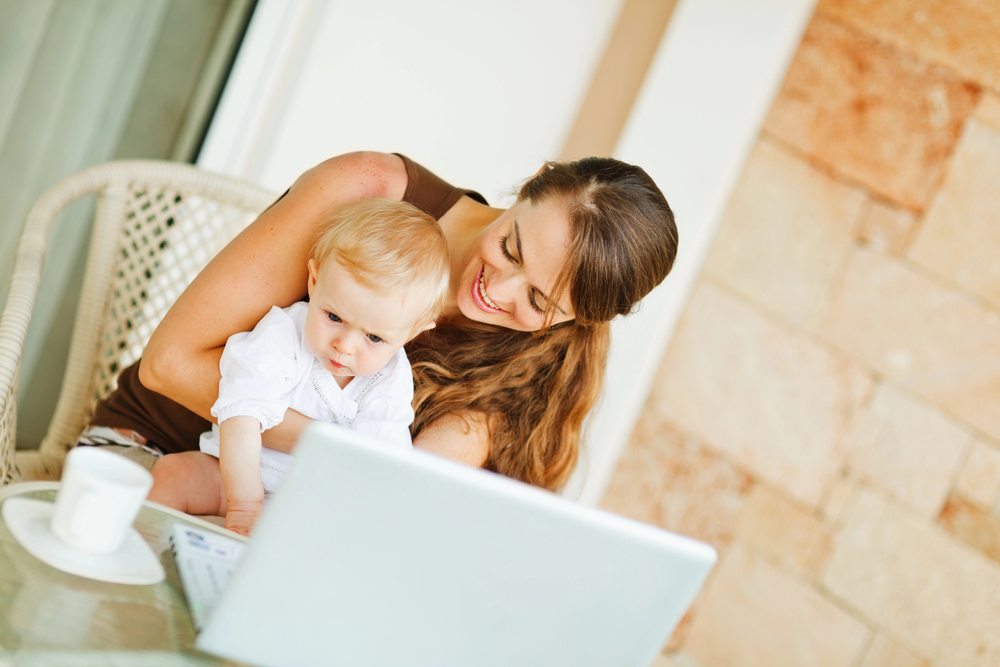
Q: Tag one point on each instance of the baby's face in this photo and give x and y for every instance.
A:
(354, 330)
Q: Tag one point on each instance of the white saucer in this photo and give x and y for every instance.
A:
(133, 563)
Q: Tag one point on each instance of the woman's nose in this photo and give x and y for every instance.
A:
(502, 288)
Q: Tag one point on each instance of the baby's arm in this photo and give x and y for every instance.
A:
(260, 369)
(239, 460)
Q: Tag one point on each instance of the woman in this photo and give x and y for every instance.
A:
(506, 378)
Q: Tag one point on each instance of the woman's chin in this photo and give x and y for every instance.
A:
(471, 311)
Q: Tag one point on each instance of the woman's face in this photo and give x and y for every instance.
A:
(513, 264)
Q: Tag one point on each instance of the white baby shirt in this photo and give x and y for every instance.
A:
(270, 369)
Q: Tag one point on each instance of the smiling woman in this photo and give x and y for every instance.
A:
(509, 372)
(514, 265)
(584, 242)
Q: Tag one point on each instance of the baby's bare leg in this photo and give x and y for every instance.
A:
(189, 482)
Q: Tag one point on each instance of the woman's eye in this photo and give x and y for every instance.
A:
(534, 304)
(503, 249)
(373, 338)
(333, 318)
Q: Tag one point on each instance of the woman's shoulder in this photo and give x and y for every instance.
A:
(365, 173)
(463, 437)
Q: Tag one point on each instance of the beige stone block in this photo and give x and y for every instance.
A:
(960, 237)
(838, 499)
(938, 342)
(907, 448)
(663, 661)
(885, 652)
(961, 34)
(972, 525)
(784, 234)
(778, 404)
(637, 486)
(871, 112)
(670, 480)
(754, 615)
(988, 110)
(674, 659)
(886, 228)
(912, 579)
(980, 477)
(772, 525)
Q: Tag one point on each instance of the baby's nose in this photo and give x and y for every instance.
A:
(343, 345)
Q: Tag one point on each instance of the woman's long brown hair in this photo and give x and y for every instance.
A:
(535, 389)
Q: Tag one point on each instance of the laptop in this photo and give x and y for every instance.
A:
(368, 555)
(205, 562)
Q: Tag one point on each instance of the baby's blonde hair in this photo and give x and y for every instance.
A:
(391, 247)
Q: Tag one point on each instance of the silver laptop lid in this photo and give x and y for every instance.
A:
(372, 556)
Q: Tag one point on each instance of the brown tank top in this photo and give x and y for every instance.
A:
(173, 428)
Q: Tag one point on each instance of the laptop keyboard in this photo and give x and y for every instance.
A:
(206, 562)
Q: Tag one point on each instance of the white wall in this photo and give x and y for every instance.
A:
(481, 93)
(693, 124)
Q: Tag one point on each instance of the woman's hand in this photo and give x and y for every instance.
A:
(262, 267)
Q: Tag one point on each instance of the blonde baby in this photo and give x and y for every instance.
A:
(378, 276)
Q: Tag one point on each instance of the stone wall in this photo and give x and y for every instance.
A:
(828, 413)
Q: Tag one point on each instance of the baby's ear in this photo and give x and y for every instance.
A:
(313, 273)
(426, 327)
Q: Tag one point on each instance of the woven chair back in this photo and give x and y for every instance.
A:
(156, 225)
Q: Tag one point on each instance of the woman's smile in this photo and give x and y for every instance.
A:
(479, 295)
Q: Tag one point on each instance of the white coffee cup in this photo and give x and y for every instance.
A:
(100, 495)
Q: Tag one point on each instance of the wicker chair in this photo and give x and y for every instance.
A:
(156, 224)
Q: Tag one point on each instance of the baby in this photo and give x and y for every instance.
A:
(378, 276)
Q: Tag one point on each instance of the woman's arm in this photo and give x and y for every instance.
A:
(284, 436)
(262, 267)
(465, 439)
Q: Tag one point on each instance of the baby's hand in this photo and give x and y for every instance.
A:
(241, 516)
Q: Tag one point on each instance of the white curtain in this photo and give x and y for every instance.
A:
(69, 72)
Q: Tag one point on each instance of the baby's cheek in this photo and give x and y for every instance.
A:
(312, 338)
(371, 363)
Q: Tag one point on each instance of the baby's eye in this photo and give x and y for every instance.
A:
(333, 318)
(373, 338)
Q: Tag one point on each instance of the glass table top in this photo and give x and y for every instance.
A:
(51, 618)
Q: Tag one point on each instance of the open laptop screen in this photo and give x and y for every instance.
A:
(372, 556)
